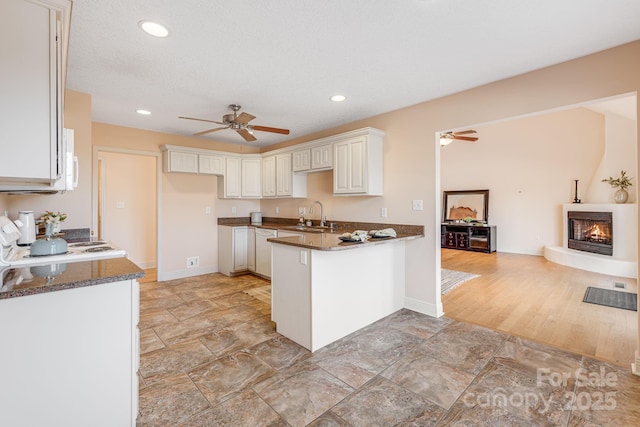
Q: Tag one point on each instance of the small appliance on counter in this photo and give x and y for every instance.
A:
(27, 225)
(256, 218)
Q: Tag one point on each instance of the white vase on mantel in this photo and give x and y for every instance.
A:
(621, 196)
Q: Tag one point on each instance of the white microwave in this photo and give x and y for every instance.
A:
(67, 178)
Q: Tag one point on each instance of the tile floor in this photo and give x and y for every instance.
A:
(211, 357)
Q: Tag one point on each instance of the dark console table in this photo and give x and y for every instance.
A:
(467, 237)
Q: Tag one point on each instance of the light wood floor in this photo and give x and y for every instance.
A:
(533, 298)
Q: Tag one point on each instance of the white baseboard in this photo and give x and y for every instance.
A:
(427, 308)
(188, 272)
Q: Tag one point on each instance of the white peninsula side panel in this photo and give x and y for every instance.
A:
(321, 296)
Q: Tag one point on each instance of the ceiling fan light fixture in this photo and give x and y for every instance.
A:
(143, 112)
(445, 139)
(153, 28)
(338, 98)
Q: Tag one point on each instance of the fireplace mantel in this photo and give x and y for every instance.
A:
(623, 262)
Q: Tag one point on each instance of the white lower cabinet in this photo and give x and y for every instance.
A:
(251, 249)
(70, 357)
(232, 249)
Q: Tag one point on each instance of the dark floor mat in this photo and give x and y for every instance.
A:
(610, 298)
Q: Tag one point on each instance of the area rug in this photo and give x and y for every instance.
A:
(262, 293)
(611, 298)
(451, 279)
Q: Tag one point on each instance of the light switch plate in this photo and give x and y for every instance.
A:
(418, 205)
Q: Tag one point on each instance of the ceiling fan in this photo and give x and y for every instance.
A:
(447, 137)
(239, 123)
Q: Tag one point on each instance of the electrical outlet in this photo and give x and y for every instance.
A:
(193, 261)
(277, 210)
(234, 210)
(119, 205)
(418, 205)
(302, 211)
(207, 209)
(383, 212)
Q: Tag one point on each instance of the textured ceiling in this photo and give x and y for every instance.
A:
(283, 59)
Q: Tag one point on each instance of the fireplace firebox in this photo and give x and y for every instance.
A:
(590, 232)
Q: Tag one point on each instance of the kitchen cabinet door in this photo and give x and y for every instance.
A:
(229, 185)
(284, 175)
(33, 53)
(212, 165)
(177, 161)
(357, 167)
(240, 249)
(233, 255)
(301, 160)
(251, 177)
(269, 176)
(289, 184)
(251, 249)
(322, 157)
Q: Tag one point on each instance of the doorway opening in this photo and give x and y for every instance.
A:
(126, 203)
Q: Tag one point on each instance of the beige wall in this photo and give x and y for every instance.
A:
(528, 165)
(129, 208)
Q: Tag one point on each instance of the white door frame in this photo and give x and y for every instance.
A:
(95, 192)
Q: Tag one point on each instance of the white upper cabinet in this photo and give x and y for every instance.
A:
(301, 160)
(269, 176)
(178, 161)
(210, 164)
(322, 157)
(34, 43)
(230, 185)
(289, 184)
(357, 165)
(251, 177)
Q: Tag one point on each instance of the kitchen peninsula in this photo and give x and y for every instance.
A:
(324, 289)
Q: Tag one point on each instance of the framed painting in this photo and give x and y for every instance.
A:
(465, 206)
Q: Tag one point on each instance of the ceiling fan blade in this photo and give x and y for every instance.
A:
(270, 129)
(464, 132)
(209, 131)
(201, 120)
(244, 118)
(465, 138)
(246, 135)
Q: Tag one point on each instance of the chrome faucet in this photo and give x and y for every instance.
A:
(322, 219)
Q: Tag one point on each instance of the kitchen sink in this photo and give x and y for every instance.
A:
(306, 228)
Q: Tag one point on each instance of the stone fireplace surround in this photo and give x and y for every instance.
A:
(623, 262)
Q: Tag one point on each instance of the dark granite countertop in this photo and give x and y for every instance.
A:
(37, 279)
(328, 240)
(331, 242)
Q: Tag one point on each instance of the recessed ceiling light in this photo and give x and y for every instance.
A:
(338, 98)
(143, 112)
(153, 28)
